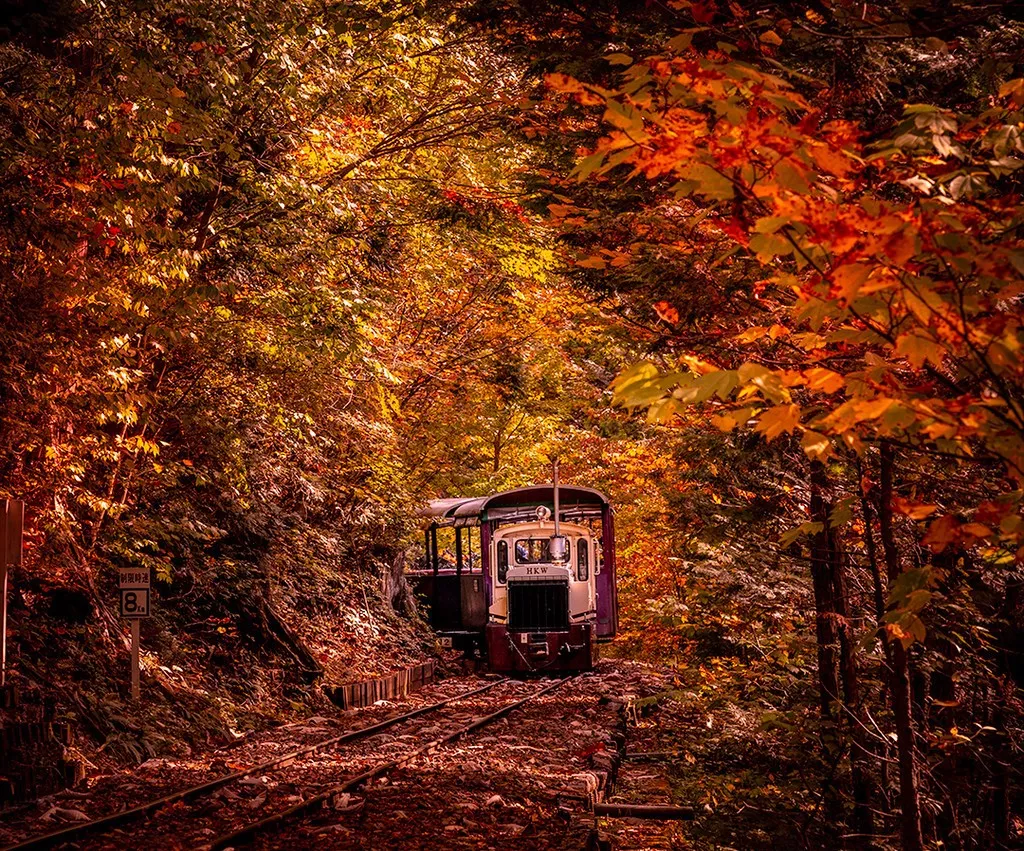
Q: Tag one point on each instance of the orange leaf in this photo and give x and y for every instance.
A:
(913, 510)
(976, 530)
(941, 533)
(667, 312)
(563, 83)
(901, 246)
(849, 279)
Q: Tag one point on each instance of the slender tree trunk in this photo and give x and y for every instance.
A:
(863, 821)
(833, 567)
(881, 748)
(824, 602)
(910, 804)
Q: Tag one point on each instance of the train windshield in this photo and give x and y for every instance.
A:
(534, 551)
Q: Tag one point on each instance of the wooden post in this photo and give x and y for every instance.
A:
(4, 507)
(458, 550)
(12, 523)
(3, 621)
(135, 660)
(651, 811)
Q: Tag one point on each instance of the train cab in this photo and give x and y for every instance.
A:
(506, 578)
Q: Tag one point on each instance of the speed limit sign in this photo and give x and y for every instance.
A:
(135, 587)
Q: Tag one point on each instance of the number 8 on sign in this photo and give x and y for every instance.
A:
(135, 602)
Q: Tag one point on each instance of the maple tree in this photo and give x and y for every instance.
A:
(851, 289)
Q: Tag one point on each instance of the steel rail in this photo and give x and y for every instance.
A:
(106, 823)
(249, 831)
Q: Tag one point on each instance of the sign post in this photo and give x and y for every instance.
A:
(136, 690)
(12, 522)
(135, 584)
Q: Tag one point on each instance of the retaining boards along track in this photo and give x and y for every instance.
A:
(102, 825)
(247, 833)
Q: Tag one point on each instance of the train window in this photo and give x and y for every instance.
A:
(582, 561)
(502, 561)
(533, 551)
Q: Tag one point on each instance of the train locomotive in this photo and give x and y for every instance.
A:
(527, 581)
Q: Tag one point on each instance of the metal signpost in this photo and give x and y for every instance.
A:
(12, 522)
(135, 584)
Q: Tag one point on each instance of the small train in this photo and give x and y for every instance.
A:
(524, 579)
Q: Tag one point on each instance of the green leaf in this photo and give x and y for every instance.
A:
(640, 385)
(787, 539)
(842, 513)
(709, 182)
(588, 165)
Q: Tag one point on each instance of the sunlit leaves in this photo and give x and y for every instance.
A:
(781, 419)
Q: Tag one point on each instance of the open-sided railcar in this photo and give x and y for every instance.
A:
(526, 589)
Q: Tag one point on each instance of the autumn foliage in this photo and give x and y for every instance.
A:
(274, 273)
(847, 289)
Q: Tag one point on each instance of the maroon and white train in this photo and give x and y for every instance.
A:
(526, 578)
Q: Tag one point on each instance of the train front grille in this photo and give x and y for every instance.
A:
(535, 606)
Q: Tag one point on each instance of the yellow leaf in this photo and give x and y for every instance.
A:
(872, 409)
(771, 37)
(917, 347)
(777, 420)
(819, 378)
(751, 334)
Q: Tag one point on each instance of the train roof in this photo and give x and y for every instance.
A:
(575, 503)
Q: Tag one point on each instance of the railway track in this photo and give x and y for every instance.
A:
(284, 783)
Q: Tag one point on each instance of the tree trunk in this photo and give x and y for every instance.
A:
(824, 603)
(396, 587)
(831, 563)
(881, 748)
(910, 804)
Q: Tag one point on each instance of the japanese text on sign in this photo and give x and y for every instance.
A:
(134, 577)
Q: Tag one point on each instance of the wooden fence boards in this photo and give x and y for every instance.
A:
(368, 692)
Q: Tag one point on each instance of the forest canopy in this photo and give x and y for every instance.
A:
(276, 272)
